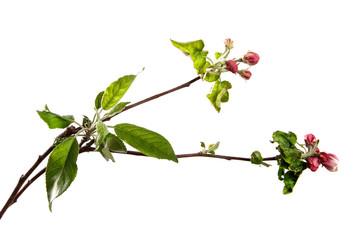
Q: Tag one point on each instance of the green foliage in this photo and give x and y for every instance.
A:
(290, 179)
(86, 121)
(116, 91)
(116, 109)
(219, 94)
(111, 143)
(98, 100)
(114, 143)
(211, 149)
(61, 168)
(102, 132)
(148, 142)
(195, 50)
(256, 158)
(291, 165)
(54, 120)
(218, 55)
(212, 76)
(105, 152)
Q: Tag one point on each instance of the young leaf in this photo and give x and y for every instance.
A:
(102, 132)
(218, 55)
(98, 100)
(189, 48)
(116, 109)
(212, 148)
(148, 142)
(256, 158)
(195, 50)
(114, 143)
(290, 179)
(54, 120)
(219, 94)
(61, 168)
(212, 76)
(116, 91)
(105, 152)
(285, 140)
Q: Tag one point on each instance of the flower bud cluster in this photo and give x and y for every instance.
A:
(328, 160)
(250, 58)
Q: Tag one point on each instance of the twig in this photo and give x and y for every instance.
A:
(187, 84)
(17, 190)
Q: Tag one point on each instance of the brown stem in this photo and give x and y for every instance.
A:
(17, 190)
(88, 148)
(187, 84)
(22, 180)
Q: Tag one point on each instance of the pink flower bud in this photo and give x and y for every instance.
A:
(329, 161)
(231, 66)
(310, 139)
(313, 163)
(229, 44)
(251, 58)
(245, 74)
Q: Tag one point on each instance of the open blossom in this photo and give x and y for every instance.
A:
(251, 58)
(313, 163)
(245, 74)
(229, 44)
(231, 66)
(329, 161)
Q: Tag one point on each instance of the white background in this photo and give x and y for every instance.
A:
(62, 53)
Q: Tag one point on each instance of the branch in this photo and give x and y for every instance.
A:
(187, 84)
(188, 155)
(17, 190)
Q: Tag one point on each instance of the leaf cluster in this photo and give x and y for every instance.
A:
(291, 164)
(62, 167)
(210, 72)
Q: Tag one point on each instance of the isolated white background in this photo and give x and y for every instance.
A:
(62, 53)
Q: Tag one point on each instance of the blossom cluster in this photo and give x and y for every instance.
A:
(328, 160)
(250, 58)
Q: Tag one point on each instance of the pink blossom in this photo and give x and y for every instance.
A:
(329, 161)
(245, 74)
(310, 139)
(229, 44)
(251, 58)
(231, 66)
(313, 163)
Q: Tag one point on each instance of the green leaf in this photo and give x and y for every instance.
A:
(256, 158)
(297, 165)
(290, 179)
(54, 120)
(285, 140)
(148, 142)
(281, 173)
(114, 143)
(102, 132)
(212, 76)
(98, 100)
(199, 59)
(218, 55)
(116, 91)
(86, 121)
(195, 50)
(116, 109)
(212, 148)
(61, 168)
(105, 152)
(219, 94)
(189, 48)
